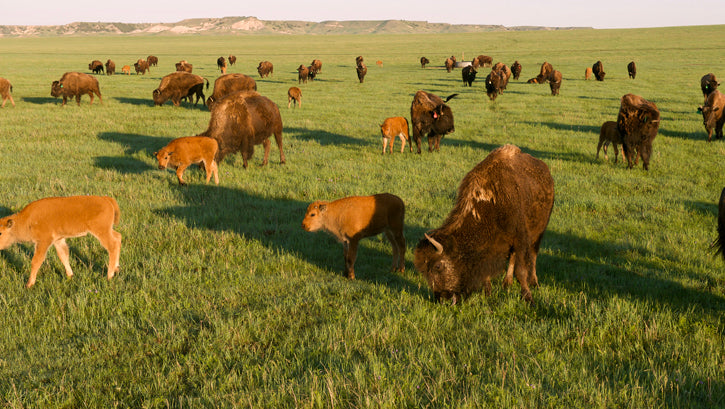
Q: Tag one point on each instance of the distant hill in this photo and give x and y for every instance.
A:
(252, 25)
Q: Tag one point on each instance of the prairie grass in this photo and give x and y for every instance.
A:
(224, 301)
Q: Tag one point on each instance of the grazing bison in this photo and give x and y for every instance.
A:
(638, 121)
(186, 151)
(75, 84)
(50, 221)
(5, 89)
(469, 75)
(178, 85)
(555, 82)
(482, 61)
(110, 67)
(232, 59)
(96, 66)
(141, 66)
(544, 73)
(516, 69)
(126, 69)
(598, 70)
(719, 243)
(316, 66)
(229, 83)
(392, 127)
(303, 73)
(632, 69)
(244, 119)
(294, 94)
(265, 69)
(609, 133)
(494, 82)
(449, 64)
(505, 73)
(501, 213)
(184, 66)
(361, 70)
(351, 219)
(423, 62)
(152, 60)
(712, 114)
(221, 62)
(708, 84)
(588, 73)
(431, 116)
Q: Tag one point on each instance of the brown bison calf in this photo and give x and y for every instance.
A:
(50, 221)
(392, 127)
(188, 150)
(609, 133)
(5, 89)
(588, 73)
(126, 69)
(302, 74)
(353, 218)
(712, 114)
(294, 94)
(75, 84)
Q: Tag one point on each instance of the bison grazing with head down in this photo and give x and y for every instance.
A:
(712, 114)
(244, 119)
(432, 117)
(152, 60)
(544, 73)
(141, 66)
(265, 69)
(638, 121)
(232, 59)
(178, 85)
(75, 84)
(632, 70)
(316, 66)
(229, 83)
(598, 70)
(482, 61)
(96, 66)
(423, 62)
(110, 67)
(501, 213)
(708, 84)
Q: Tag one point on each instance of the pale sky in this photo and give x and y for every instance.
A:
(552, 13)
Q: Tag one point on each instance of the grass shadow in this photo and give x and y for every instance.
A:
(41, 100)
(325, 138)
(132, 144)
(135, 101)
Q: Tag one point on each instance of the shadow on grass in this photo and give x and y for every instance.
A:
(42, 100)
(277, 224)
(325, 138)
(136, 101)
(132, 144)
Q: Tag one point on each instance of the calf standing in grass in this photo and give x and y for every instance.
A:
(294, 94)
(392, 127)
(609, 133)
(353, 218)
(50, 221)
(5, 89)
(183, 152)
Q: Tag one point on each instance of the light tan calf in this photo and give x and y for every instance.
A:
(5, 89)
(188, 150)
(50, 221)
(588, 73)
(126, 69)
(609, 133)
(294, 94)
(353, 218)
(392, 127)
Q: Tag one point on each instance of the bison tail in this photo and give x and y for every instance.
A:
(450, 97)
(207, 83)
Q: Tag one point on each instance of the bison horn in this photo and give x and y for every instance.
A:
(434, 242)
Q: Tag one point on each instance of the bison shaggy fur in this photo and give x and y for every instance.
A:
(178, 85)
(431, 116)
(75, 84)
(708, 84)
(712, 114)
(5, 91)
(638, 122)
(229, 83)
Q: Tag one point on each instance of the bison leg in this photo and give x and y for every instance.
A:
(78, 99)
(180, 174)
(522, 268)
(417, 137)
(41, 248)
(61, 247)
(385, 144)
(402, 146)
(267, 145)
(211, 169)
(509, 279)
(111, 241)
(278, 141)
(397, 240)
(349, 249)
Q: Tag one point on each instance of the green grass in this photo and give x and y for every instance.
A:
(224, 301)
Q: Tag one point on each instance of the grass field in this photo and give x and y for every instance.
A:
(224, 301)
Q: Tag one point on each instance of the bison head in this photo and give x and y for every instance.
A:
(56, 89)
(442, 119)
(436, 262)
(163, 157)
(314, 217)
(158, 97)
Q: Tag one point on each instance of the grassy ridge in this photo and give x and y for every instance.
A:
(223, 300)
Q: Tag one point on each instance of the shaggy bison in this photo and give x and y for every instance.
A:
(708, 84)
(232, 59)
(152, 60)
(719, 243)
(494, 83)
(110, 67)
(632, 70)
(141, 66)
(294, 95)
(75, 84)
(178, 85)
(598, 71)
(482, 61)
(555, 82)
(516, 69)
(303, 74)
(638, 121)
(712, 114)
(501, 212)
(431, 116)
(96, 66)
(5, 91)
(423, 62)
(244, 119)
(361, 70)
(229, 83)
(184, 66)
(544, 73)
(316, 66)
(265, 69)
(469, 75)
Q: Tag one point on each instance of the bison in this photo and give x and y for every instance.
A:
(316, 66)
(359, 60)
(184, 66)
(294, 94)
(494, 83)
(5, 91)
(303, 73)
(449, 64)
(712, 114)
(221, 62)
(555, 82)
(516, 69)
(126, 69)
(351, 219)
(75, 84)
(500, 216)
(96, 66)
(431, 116)
(392, 127)
(609, 133)
(110, 67)
(244, 119)
(469, 75)
(632, 69)
(232, 59)
(50, 221)
(505, 73)
(265, 69)
(708, 84)
(152, 60)
(423, 62)
(361, 70)
(588, 73)
(482, 61)
(638, 121)
(188, 150)
(229, 83)
(598, 71)
(178, 85)
(141, 66)
(544, 73)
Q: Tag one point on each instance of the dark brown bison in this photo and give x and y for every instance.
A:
(505, 73)
(361, 70)
(469, 75)
(555, 82)
(430, 116)
(638, 121)
(75, 84)
(482, 61)
(632, 70)
(229, 83)
(712, 114)
(494, 82)
(152, 60)
(96, 66)
(178, 85)
(359, 60)
(141, 66)
(184, 66)
(608, 133)
(244, 119)
(708, 84)
(423, 62)
(500, 216)
(719, 243)
(265, 69)
(316, 66)
(5, 91)
(221, 62)
(110, 67)
(232, 59)
(311, 73)
(516, 69)
(598, 71)
(303, 73)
